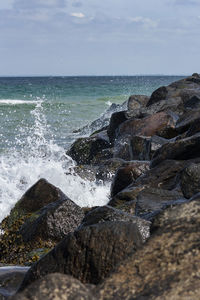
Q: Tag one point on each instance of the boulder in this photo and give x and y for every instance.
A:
(183, 149)
(122, 148)
(88, 254)
(151, 200)
(136, 102)
(116, 119)
(143, 148)
(187, 119)
(108, 213)
(128, 194)
(192, 103)
(52, 222)
(55, 286)
(158, 95)
(39, 195)
(167, 266)
(86, 150)
(194, 128)
(161, 123)
(190, 180)
(127, 174)
(106, 170)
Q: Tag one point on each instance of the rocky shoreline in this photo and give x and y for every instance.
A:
(144, 244)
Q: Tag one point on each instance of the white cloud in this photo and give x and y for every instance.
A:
(78, 15)
(147, 22)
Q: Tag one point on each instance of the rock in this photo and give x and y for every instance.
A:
(162, 124)
(192, 103)
(52, 222)
(183, 149)
(55, 287)
(171, 257)
(190, 180)
(186, 120)
(136, 102)
(165, 175)
(158, 95)
(127, 174)
(108, 213)
(151, 200)
(86, 172)
(122, 148)
(10, 279)
(88, 254)
(39, 195)
(128, 194)
(107, 169)
(115, 120)
(194, 128)
(196, 75)
(85, 150)
(143, 148)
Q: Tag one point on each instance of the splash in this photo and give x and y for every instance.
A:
(37, 157)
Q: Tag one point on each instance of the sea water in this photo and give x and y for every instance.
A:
(40, 118)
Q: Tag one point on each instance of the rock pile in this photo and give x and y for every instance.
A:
(145, 244)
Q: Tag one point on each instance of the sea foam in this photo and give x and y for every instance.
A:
(16, 102)
(39, 157)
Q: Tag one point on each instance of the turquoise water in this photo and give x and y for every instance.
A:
(38, 116)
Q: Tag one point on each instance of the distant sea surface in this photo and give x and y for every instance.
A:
(38, 117)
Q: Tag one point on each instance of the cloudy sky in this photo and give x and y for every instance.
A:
(92, 37)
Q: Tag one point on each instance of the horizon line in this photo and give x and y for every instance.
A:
(105, 75)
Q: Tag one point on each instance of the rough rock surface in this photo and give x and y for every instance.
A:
(171, 257)
(126, 175)
(108, 213)
(190, 180)
(55, 287)
(90, 253)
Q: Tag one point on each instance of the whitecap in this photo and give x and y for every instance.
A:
(17, 101)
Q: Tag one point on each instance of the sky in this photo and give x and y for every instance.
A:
(92, 37)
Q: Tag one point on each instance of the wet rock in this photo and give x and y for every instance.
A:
(122, 148)
(126, 195)
(171, 257)
(150, 200)
(85, 150)
(194, 128)
(39, 195)
(106, 171)
(143, 148)
(166, 175)
(86, 172)
(10, 279)
(162, 124)
(136, 102)
(108, 213)
(127, 174)
(158, 95)
(52, 222)
(115, 120)
(187, 119)
(55, 287)
(192, 103)
(190, 180)
(183, 149)
(88, 254)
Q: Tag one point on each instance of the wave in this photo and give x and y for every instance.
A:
(17, 101)
(41, 157)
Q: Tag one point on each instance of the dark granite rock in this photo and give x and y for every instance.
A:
(187, 119)
(86, 150)
(39, 195)
(143, 148)
(107, 169)
(161, 123)
(108, 213)
(52, 222)
(190, 180)
(88, 254)
(136, 102)
(115, 120)
(192, 103)
(150, 200)
(182, 149)
(167, 266)
(158, 95)
(127, 174)
(56, 287)
(128, 194)
(122, 148)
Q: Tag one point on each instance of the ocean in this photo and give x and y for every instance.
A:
(39, 119)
